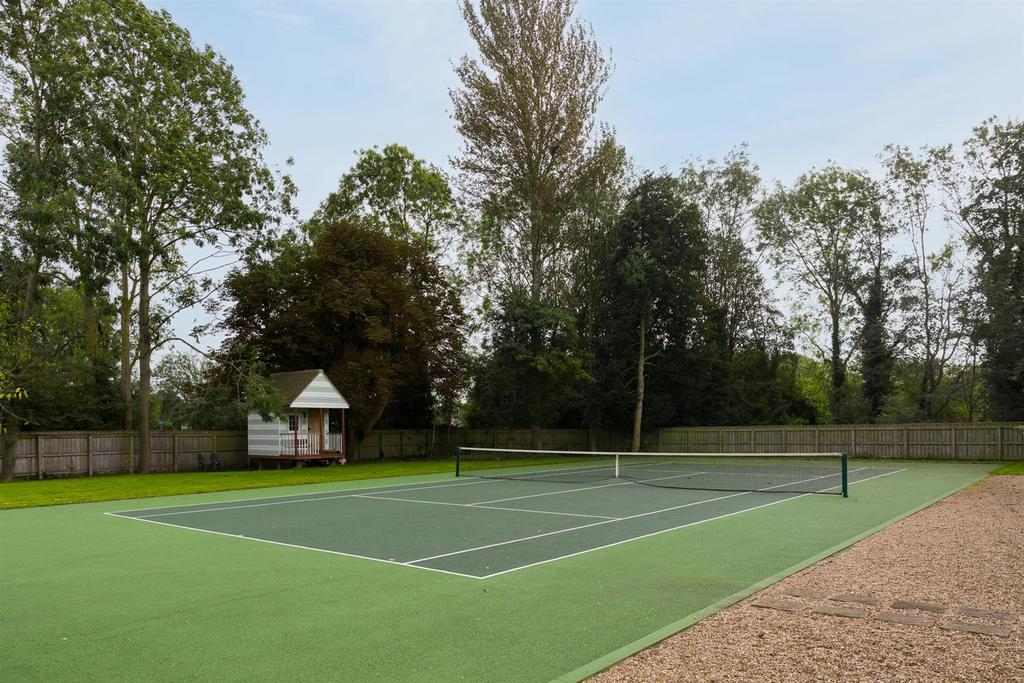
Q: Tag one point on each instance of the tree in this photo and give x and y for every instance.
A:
(653, 291)
(404, 196)
(525, 111)
(984, 193)
(726, 194)
(938, 335)
(13, 355)
(811, 232)
(175, 159)
(374, 311)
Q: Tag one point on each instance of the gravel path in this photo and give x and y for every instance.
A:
(956, 565)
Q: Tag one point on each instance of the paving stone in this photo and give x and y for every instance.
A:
(779, 604)
(986, 629)
(987, 614)
(855, 597)
(840, 612)
(923, 606)
(806, 593)
(909, 619)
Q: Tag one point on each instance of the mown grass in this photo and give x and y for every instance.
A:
(35, 493)
(32, 493)
(1010, 468)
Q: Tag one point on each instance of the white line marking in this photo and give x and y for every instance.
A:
(585, 488)
(473, 576)
(293, 545)
(347, 494)
(675, 528)
(611, 521)
(482, 507)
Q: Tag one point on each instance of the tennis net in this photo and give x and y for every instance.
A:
(769, 472)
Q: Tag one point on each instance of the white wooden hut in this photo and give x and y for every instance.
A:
(314, 404)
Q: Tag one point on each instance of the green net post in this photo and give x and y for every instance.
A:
(458, 462)
(846, 479)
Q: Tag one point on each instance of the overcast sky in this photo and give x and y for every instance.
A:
(801, 82)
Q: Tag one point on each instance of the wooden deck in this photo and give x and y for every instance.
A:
(297, 459)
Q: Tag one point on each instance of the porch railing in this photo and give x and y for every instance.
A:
(309, 443)
(334, 442)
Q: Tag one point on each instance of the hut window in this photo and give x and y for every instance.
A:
(293, 423)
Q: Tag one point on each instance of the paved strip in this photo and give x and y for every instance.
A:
(908, 619)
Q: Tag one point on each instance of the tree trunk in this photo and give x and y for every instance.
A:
(126, 348)
(145, 353)
(838, 371)
(9, 452)
(638, 409)
(31, 290)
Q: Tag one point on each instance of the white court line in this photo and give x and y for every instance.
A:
(473, 576)
(610, 521)
(585, 488)
(675, 528)
(482, 507)
(348, 494)
(294, 545)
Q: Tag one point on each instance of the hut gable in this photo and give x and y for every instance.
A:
(308, 389)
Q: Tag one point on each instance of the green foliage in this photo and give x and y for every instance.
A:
(994, 216)
(531, 372)
(400, 194)
(811, 233)
(374, 311)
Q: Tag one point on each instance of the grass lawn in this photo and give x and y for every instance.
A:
(36, 493)
(33, 493)
(1011, 468)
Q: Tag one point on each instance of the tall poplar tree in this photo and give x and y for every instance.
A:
(526, 112)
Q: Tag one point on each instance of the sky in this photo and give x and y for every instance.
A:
(802, 83)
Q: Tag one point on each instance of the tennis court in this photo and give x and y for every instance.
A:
(496, 519)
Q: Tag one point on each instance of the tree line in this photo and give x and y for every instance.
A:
(546, 281)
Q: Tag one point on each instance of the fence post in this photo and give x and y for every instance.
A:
(853, 441)
(785, 439)
(817, 438)
(906, 442)
(88, 452)
(39, 458)
(131, 451)
(999, 442)
(174, 451)
(954, 442)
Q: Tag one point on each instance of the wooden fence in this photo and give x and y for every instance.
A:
(62, 454)
(928, 441)
(59, 454)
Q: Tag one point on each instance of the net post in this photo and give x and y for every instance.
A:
(616, 465)
(458, 459)
(846, 480)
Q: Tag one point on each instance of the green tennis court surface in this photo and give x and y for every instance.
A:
(94, 596)
(483, 528)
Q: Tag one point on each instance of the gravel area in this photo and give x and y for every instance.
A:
(938, 596)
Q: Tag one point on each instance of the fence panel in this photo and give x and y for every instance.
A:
(66, 454)
(985, 441)
(62, 454)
